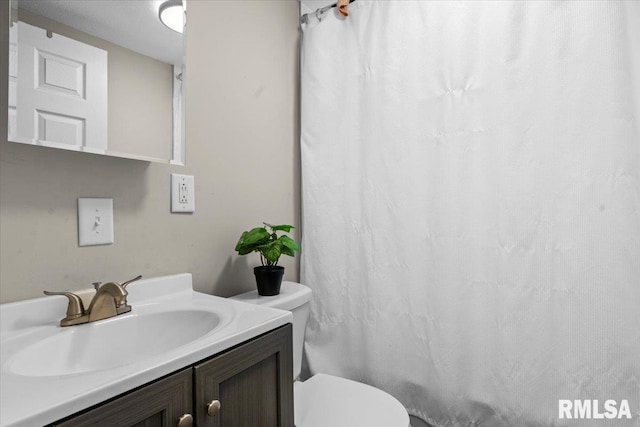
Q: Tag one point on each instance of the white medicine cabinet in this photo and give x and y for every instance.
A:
(104, 77)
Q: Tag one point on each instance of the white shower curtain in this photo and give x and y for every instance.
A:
(471, 205)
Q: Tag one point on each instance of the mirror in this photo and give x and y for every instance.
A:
(99, 76)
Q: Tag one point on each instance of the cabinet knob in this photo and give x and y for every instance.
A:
(213, 408)
(185, 421)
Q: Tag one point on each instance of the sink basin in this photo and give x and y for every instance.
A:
(112, 342)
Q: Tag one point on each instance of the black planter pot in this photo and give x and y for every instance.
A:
(268, 279)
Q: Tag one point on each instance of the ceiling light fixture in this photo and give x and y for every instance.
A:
(171, 14)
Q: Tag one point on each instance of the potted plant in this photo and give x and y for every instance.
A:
(266, 241)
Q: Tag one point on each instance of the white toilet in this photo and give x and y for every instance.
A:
(325, 400)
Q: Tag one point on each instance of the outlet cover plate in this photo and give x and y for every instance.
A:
(95, 222)
(182, 193)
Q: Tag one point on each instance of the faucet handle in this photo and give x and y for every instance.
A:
(75, 308)
(124, 284)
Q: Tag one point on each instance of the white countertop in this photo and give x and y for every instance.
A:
(39, 400)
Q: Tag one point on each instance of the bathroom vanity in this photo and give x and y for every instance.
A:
(244, 381)
(179, 358)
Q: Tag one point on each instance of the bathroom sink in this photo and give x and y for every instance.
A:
(112, 342)
(68, 369)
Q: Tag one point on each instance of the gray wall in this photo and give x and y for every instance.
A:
(242, 148)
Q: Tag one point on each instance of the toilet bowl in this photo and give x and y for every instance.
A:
(327, 400)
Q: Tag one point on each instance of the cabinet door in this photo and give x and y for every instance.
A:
(253, 384)
(160, 404)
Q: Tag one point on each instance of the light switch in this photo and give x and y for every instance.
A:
(182, 193)
(95, 222)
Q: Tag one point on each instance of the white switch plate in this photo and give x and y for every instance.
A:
(95, 222)
(183, 195)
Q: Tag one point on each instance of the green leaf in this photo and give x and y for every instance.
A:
(240, 241)
(256, 235)
(284, 227)
(249, 240)
(244, 250)
(287, 251)
(272, 251)
(289, 243)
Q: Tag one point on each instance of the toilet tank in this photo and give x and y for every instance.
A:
(295, 298)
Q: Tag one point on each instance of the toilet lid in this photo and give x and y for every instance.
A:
(325, 400)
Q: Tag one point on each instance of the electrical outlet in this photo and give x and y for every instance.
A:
(182, 193)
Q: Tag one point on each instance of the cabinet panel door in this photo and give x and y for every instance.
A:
(253, 383)
(159, 404)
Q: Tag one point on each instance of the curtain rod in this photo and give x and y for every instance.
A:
(319, 12)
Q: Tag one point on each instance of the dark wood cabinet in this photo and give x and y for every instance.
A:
(159, 404)
(252, 384)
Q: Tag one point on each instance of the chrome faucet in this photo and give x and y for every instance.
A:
(110, 300)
